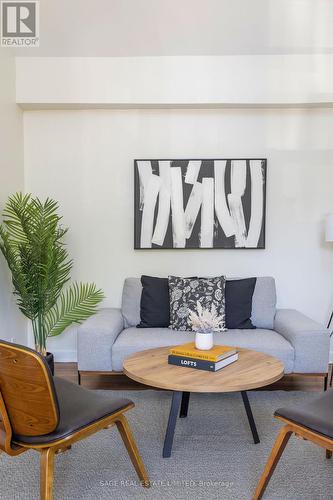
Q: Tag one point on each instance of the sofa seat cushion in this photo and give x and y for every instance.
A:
(133, 340)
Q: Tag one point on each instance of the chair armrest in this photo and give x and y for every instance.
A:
(95, 339)
(310, 340)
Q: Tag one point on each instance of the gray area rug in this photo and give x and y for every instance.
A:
(213, 455)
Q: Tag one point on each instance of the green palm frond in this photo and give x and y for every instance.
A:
(75, 304)
(15, 217)
(23, 287)
(32, 245)
(28, 219)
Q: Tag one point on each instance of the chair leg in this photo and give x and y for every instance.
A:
(272, 461)
(46, 473)
(132, 449)
(329, 453)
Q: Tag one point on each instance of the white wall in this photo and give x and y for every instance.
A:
(175, 81)
(186, 27)
(12, 322)
(85, 160)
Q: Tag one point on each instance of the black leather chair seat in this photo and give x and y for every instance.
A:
(78, 407)
(316, 415)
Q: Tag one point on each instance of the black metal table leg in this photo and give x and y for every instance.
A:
(168, 440)
(250, 417)
(184, 405)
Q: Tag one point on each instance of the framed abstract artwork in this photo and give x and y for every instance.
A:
(218, 203)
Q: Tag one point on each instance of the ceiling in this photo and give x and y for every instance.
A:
(183, 27)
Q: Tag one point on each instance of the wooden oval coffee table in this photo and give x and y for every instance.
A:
(252, 370)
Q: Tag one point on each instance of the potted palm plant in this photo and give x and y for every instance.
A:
(32, 242)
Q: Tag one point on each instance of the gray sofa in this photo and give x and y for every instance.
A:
(107, 338)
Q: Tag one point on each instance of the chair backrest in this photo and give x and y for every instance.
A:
(263, 302)
(27, 391)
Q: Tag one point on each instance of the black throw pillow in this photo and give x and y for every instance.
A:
(238, 303)
(155, 303)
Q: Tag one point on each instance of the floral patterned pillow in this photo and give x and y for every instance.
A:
(186, 292)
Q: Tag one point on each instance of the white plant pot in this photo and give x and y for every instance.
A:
(204, 341)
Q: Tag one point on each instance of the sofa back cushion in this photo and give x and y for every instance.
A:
(263, 302)
(130, 305)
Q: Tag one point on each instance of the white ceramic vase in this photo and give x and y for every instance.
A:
(204, 341)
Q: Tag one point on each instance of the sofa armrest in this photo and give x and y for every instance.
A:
(95, 339)
(310, 340)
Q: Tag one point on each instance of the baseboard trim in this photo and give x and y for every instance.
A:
(64, 355)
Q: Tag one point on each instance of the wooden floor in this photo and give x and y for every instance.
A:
(121, 382)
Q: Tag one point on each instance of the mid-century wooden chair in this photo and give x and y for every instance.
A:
(49, 414)
(312, 421)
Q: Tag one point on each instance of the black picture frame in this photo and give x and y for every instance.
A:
(221, 241)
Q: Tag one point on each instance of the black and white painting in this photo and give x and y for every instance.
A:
(200, 203)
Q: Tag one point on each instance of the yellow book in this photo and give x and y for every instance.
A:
(217, 353)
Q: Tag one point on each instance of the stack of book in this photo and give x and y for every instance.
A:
(213, 360)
